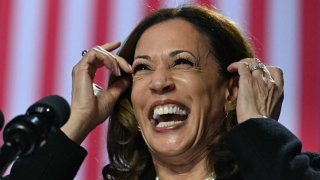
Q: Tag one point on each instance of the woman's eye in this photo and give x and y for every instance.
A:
(140, 67)
(182, 61)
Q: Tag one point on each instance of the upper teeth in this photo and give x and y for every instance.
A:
(161, 110)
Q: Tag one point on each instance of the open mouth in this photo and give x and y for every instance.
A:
(168, 115)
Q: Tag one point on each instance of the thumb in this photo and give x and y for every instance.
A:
(109, 97)
(115, 89)
(119, 86)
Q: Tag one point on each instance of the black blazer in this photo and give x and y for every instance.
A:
(263, 149)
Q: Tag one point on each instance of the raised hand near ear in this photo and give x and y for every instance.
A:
(87, 109)
(260, 91)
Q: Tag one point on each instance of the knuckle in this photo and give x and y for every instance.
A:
(280, 71)
(78, 68)
(91, 53)
(271, 85)
(74, 71)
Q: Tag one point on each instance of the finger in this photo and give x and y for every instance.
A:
(114, 91)
(95, 59)
(240, 67)
(234, 66)
(111, 46)
(277, 109)
(104, 49)
(107, 59)
(119, 61)
(98, 57)
(267, 75)
(277, 75)
(257, 68)
(119, 86)
(124, 65)
(108, 47)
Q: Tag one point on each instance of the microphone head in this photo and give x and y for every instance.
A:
(1, 120)
(27, 132)
(53, 106)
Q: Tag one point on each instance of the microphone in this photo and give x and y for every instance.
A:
(30, 129)
(1, 119)
(25, 133)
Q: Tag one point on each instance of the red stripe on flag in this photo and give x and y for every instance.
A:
(101, 32)
(5, 30)
(257, 26)
(50, 47)
(151, 6)
(96, 139)
(207, 3)
(310, 77)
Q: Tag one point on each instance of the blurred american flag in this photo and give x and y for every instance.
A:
(41, 40)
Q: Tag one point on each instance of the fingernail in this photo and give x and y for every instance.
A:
(118, 71)
(130, 67)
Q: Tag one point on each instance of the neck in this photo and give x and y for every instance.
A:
(185, 170)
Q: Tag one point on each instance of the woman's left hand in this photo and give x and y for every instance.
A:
(89, 109)
(260, 90)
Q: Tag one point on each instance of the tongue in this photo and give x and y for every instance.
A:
(171, 117)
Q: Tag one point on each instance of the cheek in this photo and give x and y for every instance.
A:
(208, 93)
(216, 106)
(199, 84)
(137, 110)
(135, 98)
(139, 86)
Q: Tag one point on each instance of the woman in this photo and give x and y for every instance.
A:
(187, 100)
(187, 94)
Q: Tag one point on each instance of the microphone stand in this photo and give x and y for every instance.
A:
(19, 139)
(8, 153)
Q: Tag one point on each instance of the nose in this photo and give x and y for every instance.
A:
(162, 81)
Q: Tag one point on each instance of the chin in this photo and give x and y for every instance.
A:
(171, 143)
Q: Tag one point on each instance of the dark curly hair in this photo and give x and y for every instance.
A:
(128, 154)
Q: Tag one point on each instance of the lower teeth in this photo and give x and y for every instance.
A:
(168, 123)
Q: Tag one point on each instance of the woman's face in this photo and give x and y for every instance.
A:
(177, 94)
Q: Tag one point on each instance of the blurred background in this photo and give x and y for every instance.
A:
(41, 40)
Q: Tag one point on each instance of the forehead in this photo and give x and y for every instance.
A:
(170, 35)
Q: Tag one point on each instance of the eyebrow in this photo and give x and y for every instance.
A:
(142, 57)
(172, 54)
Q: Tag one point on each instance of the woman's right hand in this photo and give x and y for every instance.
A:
(260, 92)
(89, 110)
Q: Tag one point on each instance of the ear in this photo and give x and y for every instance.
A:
(231, 93)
